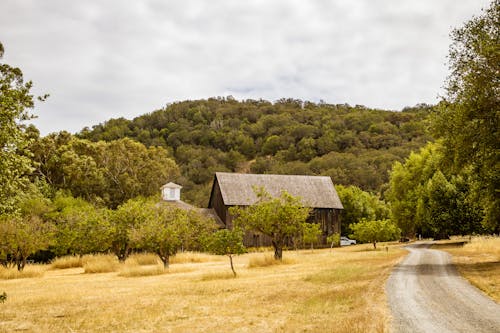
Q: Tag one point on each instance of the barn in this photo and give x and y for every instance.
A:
(316, 192)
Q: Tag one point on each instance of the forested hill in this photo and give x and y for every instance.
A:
(353, 145)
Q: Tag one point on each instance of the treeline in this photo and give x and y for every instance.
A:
(452, 186)
(43, 228)
(354, 145)
(105, 173)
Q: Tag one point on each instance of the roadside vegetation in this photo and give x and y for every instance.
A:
(307, 291)
(478, 261)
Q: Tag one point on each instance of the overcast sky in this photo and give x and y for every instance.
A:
(116, 58)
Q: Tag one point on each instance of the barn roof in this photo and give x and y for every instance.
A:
(314, 191)
(170, 185)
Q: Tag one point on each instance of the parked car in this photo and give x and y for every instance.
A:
(344, 241)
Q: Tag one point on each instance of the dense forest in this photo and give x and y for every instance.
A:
(354, 145)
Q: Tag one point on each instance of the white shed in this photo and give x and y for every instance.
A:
(171, 192)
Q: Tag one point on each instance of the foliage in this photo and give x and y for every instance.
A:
(311, 233)
(427, 198)
(23, 234)
(166, 229)
(15, 103)
(132, 214)
(279, 218)
(334, 240)
(3, 296)
(374, 231)
(359, 205)
(102, 172)
(81, 227)
(227, 242)
(354, 145)
(468, 119)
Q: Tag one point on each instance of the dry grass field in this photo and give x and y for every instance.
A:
(320, 291)
(479, 262)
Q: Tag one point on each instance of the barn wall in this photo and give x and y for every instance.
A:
(217, 203)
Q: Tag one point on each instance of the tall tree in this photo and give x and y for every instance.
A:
(468, 119)
(15, 103)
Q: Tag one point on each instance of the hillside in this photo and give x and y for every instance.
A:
(354, 145)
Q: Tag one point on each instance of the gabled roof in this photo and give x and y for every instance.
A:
(315, 191)
(170, 185)
(207, 212)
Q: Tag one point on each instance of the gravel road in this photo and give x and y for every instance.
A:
(426, 294)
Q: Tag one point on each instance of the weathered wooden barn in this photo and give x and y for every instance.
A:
(316, 192)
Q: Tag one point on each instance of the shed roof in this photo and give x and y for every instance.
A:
(314, 191)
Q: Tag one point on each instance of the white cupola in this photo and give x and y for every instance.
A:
(171, 192)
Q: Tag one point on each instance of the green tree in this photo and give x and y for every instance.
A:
(279, 218)
(15, 103)
(133, 214)
(228, 243)
(161, 232)
(375, 231)
(26, 232)
(359, 205)
(468, 119)
(81, 227)
(311, 233)
(334, 240)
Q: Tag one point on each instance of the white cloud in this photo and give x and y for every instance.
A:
(103, 59)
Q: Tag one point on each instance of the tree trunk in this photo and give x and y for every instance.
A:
(278, 250)
(232, 267)
(165, 258)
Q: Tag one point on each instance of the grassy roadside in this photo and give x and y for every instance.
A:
(320, 291)
(479, 262)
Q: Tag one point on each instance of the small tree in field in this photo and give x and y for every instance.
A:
(311, 233)
(161, 232)
(278, 218)
(334, 240)
(130, 215)
(375, 231)
(228, 243)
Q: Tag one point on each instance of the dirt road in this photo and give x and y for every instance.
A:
(426, 294)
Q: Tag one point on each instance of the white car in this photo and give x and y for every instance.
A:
(344, 241)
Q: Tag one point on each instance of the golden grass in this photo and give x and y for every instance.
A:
(66, 262)
(29, 271)
(141, 270)
(100, 263)
(144, 259)
(194, 257)
(325, 291)
(217, 276)
(479, 262)
(267, 259)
